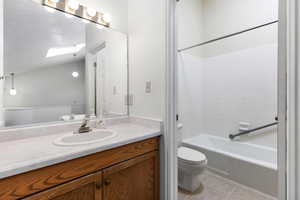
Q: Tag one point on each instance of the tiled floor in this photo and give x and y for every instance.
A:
(218, 188)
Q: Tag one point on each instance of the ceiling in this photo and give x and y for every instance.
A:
(30, 30)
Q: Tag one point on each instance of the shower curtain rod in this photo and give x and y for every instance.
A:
(227, 36)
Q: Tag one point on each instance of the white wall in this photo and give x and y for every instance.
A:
(233, 80)
(111, 49)
(189, 20)
(230, 16)
(146, 29)
(225, 17)
(115, 73)
(203, 20)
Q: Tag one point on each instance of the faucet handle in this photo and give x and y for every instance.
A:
(101, 123)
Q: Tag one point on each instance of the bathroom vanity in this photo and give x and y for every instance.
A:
(128, 172)
(125, 167)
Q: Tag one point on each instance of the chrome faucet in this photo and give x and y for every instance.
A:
(84, 128)
(100, 124)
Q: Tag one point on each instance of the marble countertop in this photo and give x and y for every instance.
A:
(23, 155)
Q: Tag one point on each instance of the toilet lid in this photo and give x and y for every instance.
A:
(191, 156)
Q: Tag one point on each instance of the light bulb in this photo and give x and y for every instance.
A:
(106, 18)
(55, 1)
(91, 12)
(73, 4)
(75, 74)
(13, 92)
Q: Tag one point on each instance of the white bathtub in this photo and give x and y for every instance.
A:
(248, 164)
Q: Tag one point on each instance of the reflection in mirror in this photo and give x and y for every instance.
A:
(58, 68)
(107, 56)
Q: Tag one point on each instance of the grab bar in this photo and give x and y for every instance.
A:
(232, 136)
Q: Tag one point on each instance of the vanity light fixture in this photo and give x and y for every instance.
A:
(13, 90)
(73, 4)
(73, 7)
(107, 18)
(91, 12)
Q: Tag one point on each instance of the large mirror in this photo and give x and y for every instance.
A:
(58, 67)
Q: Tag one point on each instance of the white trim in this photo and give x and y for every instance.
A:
(293, 97)
(282, 101)
(170, 104)
(289, 63)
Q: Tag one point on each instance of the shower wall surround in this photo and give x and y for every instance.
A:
(232, 80)
(217, 93)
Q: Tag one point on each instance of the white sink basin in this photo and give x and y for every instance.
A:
(97, 135)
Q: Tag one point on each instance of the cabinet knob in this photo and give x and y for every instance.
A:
(107, 182)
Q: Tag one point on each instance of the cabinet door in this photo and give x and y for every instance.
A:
(135, 179)
(85, 188)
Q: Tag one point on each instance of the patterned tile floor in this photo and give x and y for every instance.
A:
(218, 188)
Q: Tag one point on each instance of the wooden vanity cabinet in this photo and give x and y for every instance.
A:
(135, 179)
(129, 172)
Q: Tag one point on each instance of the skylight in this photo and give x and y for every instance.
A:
(53, 52)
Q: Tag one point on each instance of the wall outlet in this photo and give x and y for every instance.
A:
(244, 126)
(148, 87)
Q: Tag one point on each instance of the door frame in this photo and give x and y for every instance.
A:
(282, 101)
(290, 58)
(170, 126)
(288, 92)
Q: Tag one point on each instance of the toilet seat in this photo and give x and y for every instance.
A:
(191, 156)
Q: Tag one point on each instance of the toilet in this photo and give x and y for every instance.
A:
(191, 163)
